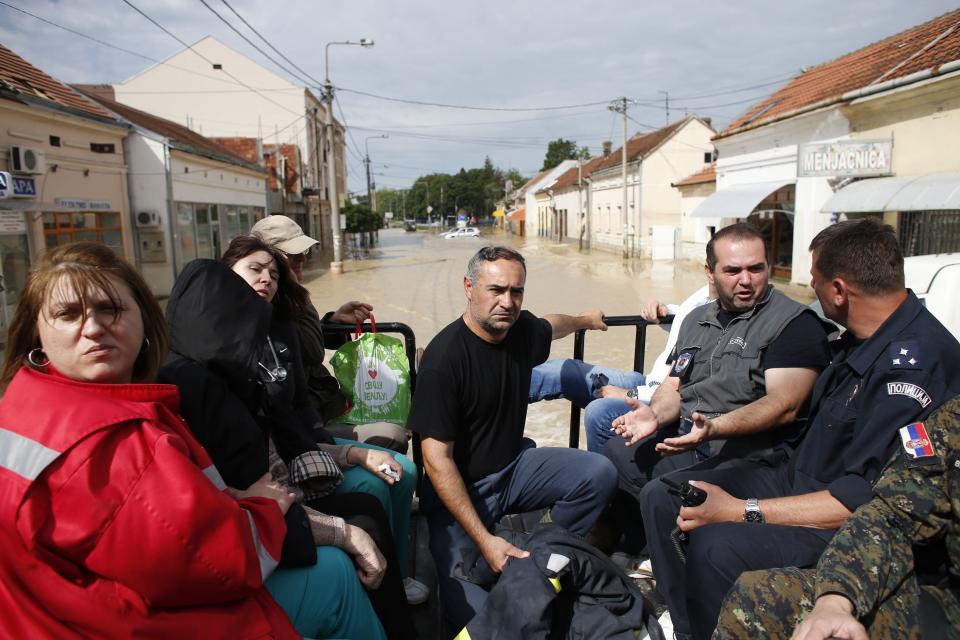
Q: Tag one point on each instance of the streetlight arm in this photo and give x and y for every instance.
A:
(364, 42)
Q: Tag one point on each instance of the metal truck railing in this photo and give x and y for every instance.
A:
(639, 349)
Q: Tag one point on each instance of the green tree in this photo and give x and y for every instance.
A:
(475, 190)
(360, 218)
(557, 151)
(560, 150)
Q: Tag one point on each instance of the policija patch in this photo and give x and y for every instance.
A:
(909, 390)
(915, 441)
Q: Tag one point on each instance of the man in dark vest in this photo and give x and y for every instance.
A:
(891, 367)
(742, 370)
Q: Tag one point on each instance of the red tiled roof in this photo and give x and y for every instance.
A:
(21, 76)
(642, 144)
(246, 148)
(922, 47)
(707, 174)
(99, 90)
(180, 137)
(569, 177)
(518, 214)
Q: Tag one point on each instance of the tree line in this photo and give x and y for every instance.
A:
(475, 190)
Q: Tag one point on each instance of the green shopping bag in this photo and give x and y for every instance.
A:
(374, 375)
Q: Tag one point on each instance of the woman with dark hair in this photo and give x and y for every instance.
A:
(234, 359)
(113, 520)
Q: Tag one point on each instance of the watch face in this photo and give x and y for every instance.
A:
(752, 516)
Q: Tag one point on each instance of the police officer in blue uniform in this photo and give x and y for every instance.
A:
(893, 365)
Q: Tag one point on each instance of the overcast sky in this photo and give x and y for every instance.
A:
(714, 57)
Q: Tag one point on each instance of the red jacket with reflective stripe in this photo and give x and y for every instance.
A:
(114, 523)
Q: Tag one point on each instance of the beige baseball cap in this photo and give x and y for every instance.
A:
(283, 233)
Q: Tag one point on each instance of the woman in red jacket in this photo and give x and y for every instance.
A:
(113, 521)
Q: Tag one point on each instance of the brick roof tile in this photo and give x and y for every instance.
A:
(707, 174)
(181, 137)
(21, 76)
(642, 144)
(919, 48)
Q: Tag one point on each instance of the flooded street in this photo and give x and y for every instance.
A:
(416, 278)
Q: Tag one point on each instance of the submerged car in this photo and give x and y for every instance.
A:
(464, 232)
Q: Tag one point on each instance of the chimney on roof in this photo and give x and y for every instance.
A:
(607, 148)
(707, 121)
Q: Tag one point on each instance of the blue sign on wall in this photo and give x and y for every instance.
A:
(24, 188)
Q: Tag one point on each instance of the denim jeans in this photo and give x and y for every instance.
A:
(577, 381)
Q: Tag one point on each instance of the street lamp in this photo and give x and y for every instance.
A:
(337, 265)
(371, 201)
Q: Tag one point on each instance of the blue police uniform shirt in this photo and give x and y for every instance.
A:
(898, 376)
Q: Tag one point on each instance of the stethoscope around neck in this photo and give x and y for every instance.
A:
(278, 373)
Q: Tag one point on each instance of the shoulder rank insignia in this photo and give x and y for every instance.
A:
(915, 441)
(905, 355)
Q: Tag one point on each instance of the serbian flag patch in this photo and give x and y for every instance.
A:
(915, 441)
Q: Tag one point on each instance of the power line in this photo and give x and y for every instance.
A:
(253, 44)
(279, 53)
(113, 46)
(470, 108)
(489, 122)
(75, 32)
(202, 57)
(343, 119)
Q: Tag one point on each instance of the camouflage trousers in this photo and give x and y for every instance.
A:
(770, 604)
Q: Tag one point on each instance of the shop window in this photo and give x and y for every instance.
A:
(925, 232)
(245, 220)
(233, 223)
(62, 227)
(204, 240)
(185, 246)
(15, 265)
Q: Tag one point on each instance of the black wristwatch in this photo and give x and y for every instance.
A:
(752, 512)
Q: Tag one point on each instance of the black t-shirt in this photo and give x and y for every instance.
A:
(474, 393)
(801, 344)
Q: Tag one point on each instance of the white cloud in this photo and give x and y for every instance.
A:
(506, 54)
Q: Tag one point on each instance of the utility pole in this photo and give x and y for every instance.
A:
(666, 103)
(337, 265)
(582, 220)
(620, 106)
(371, 191)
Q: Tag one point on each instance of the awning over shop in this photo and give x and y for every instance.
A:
(518, 214)
(898, 193)
(737, 201)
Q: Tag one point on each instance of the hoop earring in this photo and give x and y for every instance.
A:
(146, 345)
(34, 358)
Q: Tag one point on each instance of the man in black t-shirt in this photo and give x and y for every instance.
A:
(470, 407)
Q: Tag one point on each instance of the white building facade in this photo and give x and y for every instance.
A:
(655, 160)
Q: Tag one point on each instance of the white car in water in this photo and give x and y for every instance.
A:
(463, 232)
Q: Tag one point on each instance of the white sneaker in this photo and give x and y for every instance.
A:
(417, 592)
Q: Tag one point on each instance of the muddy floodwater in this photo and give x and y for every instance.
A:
(417, 279)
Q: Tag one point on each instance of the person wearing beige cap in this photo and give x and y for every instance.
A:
(324, 390)
(286, 235)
